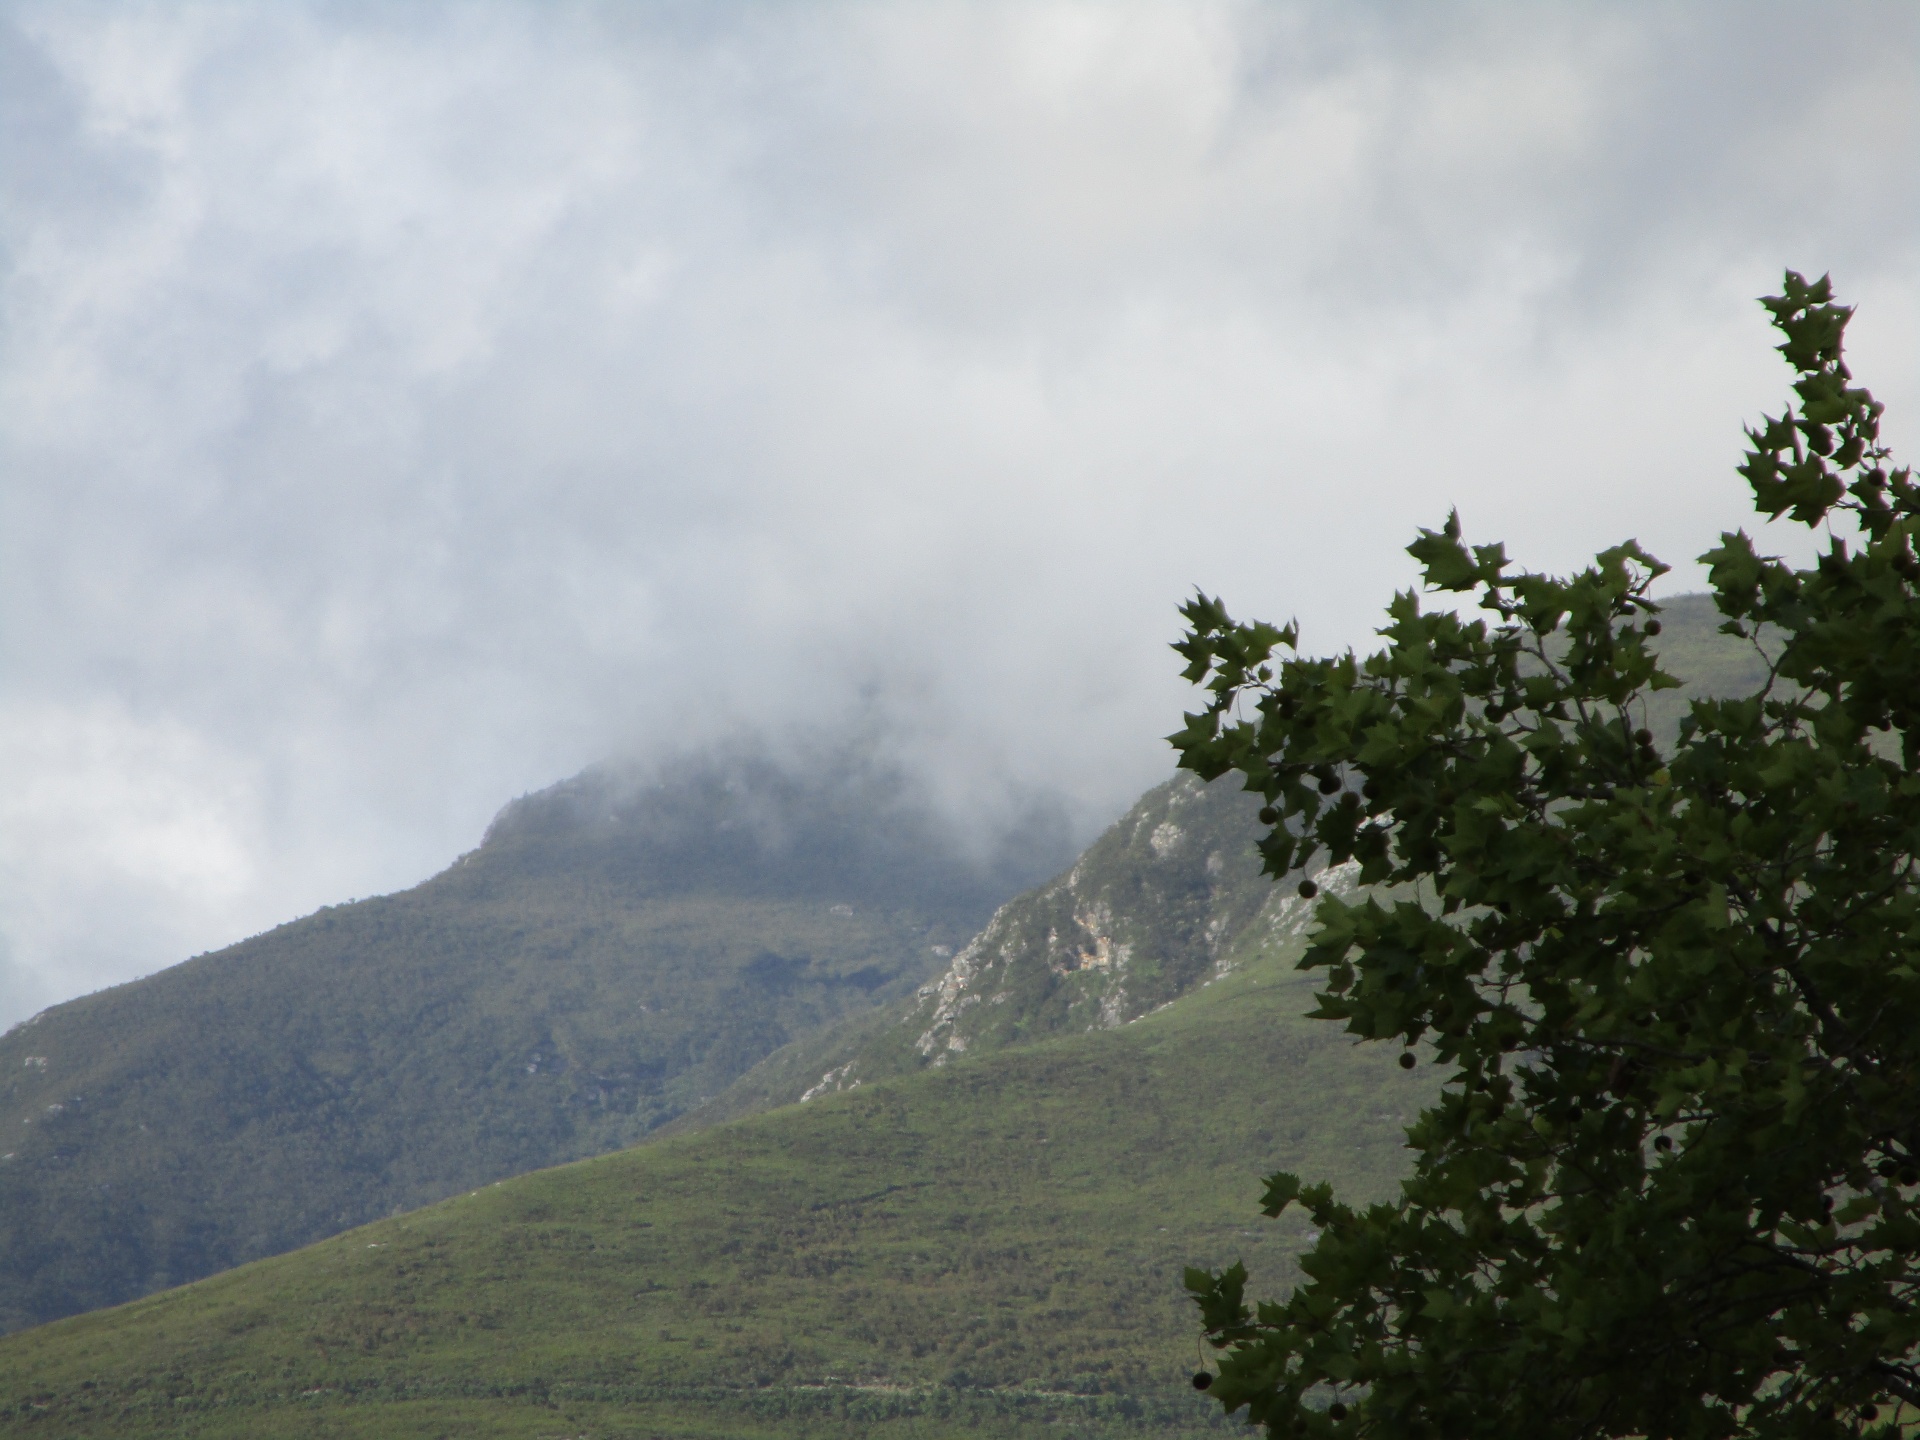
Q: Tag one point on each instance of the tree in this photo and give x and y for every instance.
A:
(1671, 1185)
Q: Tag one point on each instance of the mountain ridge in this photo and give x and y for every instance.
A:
(612, 955)
(800, 975)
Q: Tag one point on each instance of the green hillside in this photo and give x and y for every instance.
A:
(614, 953)
(994, 1245)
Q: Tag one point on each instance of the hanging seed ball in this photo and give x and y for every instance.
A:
(1888, 1168)
(1663, 1143)
(1349, 801)
(1496, 714)
(1652, 627)
(1329, 784)
(1268, 814)
(1407, 1062)
(1371, 789)
(1643, 737)
(1201, 1379)
(1869, 1413)
(1308, 889)
(1910, 1176)
(1336, 1411)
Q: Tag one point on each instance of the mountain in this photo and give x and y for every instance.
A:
(992, 1246)
(616, 962)
(974, 1221)
(617, 950)
(1169, 897)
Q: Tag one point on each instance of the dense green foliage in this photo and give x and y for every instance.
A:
(1669, 1187)
(991, 1246)
(611, 956)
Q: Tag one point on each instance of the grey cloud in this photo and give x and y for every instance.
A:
(23, 993)
(402, 407)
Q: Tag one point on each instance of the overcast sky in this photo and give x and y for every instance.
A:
(403, 406)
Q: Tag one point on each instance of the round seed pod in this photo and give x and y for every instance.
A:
(1201, 1379)
(1407, 1061)
(1652, 627)
(1643, 737)
(1308, 889)
(1663, 1143)
(1268, 814)
(1888, 1168)
(1496, 714)
(1336, 1411)
(1329, 784)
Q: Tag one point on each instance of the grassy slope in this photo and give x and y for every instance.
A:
(606, 960)
(947, 1250)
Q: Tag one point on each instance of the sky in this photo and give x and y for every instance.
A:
(405, 406)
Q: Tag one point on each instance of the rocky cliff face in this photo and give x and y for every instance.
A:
(1143, 916)
(1167, 900)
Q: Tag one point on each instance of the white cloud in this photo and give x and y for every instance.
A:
(400, 408)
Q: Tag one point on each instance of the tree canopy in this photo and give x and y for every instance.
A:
(1671, 1186)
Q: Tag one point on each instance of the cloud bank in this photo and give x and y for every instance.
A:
(404, 407)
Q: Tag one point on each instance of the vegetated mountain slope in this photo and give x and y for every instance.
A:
(1167, 899)
(993, 1247)
(611, 955)
(888, 1260)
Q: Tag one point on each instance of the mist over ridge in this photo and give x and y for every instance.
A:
(621, 948)
(403, 409)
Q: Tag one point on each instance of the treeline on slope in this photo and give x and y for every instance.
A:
(613, 953)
